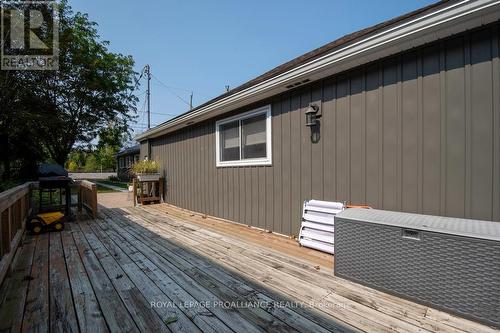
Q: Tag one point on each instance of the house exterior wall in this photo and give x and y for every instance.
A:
(144, 149)
(124, 163)
(418, 132)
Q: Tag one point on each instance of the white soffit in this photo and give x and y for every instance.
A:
(449, 20)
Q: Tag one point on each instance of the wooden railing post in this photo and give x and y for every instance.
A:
(87, 197)
(80, 200)
(94, 201)
(161, 188)
(14, 210)
(134, 192)
(1, 235)
(6, 231)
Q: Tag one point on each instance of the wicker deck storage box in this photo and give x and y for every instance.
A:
(447, 263)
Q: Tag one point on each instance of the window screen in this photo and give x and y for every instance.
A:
(230, 141)
(253, 132)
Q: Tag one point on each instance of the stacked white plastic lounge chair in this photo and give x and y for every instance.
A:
(318, 224)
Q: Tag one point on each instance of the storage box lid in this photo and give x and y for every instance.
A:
(448, 225)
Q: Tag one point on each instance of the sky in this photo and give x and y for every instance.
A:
(202, 46)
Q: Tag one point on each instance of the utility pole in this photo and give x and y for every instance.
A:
(147, 68)
(191, 101)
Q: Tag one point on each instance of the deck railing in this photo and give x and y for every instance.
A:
(14, 209)
(87, 197)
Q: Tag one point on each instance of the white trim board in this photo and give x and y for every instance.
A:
(449, 20)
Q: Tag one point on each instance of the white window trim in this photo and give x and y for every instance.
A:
(246, 162)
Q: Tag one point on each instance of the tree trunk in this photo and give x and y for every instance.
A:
(60, 155)
(61, 158)
(5, 155)
(6, 167)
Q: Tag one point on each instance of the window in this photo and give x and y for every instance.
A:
(244, 139)
(121, 162)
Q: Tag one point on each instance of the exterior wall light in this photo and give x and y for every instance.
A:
(312, 115)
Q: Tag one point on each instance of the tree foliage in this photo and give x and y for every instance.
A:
(112, 136)
(106, 157)
(45, 113)
(91, 164)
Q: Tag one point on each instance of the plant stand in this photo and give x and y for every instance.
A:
(148, 191)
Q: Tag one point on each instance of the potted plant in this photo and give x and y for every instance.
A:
(146, 170)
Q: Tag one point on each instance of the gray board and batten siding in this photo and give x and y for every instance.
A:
(416, 132)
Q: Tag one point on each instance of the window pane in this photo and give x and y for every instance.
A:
(229, 141)
(253, 132)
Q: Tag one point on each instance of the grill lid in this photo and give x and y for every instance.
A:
(448, 225)
(54, 182)
(51, 170)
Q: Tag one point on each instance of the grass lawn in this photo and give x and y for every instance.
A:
(102, 189)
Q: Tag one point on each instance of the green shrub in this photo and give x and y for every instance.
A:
(106, 157)
(113, 178)
(91, 164)
(72, 166)
(145, 166)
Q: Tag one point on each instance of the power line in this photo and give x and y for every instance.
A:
(147, 71)
(171, 87)
(164, 114)
(143, 109)
(169, 90)
(141, 115)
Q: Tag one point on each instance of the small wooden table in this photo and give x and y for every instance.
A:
(151, 191)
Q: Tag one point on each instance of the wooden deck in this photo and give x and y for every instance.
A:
(159, 269)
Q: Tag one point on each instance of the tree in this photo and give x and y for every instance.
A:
(72, 166)
(92, 88)
(78, 156)
(91, 164)
(45, 113)
(20, 147)
(106, 157)
(112, 136)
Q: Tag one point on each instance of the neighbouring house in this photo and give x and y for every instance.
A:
(125, 158)
(402, 116)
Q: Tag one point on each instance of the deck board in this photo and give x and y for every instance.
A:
(62, 311)
(146, 319)
(113, 308)
(157, 268)
(236, 284)
(396, 307)
(133, 288)
(88, 312)
(36, 311)
(151, 278)
(15, 289)
(291, 282)
(296, 287)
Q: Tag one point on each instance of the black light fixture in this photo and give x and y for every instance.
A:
(312, 114)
